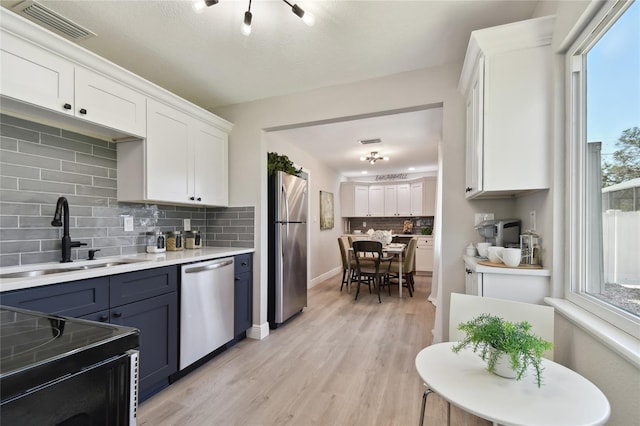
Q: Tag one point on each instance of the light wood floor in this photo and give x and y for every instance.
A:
(341, 362)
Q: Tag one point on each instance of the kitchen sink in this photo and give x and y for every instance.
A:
(70, 267)
(36, 273)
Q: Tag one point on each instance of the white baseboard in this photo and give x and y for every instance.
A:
(258, 332)
(332, 272)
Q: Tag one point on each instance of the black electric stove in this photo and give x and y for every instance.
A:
(37, 350)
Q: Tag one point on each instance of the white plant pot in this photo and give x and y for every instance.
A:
(503, 367)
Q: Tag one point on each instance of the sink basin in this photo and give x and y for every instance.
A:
(70, 267)
(35, 273)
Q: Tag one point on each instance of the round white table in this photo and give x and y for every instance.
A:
(564, 399)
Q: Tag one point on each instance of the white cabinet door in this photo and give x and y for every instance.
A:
(473, 282)
(36, 76)
(404, 200)
(361, 207)
(391, 200)
(417, 200)
(210, 172)
(475, 119)
(106, 102)
(168, 160)
(376, 200)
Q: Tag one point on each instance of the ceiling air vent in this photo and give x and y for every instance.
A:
(42, 15)
(370, 141)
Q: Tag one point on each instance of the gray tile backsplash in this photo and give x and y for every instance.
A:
(39, 163)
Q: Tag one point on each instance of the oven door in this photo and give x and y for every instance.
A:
(103, 394)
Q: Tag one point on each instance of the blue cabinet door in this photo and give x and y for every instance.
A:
(157, 320)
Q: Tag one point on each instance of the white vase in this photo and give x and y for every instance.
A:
(503, 367)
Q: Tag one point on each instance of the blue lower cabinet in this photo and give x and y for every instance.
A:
(243, 295)
(157, 320)
(146, 300)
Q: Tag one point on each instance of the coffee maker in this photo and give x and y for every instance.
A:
(500, 232)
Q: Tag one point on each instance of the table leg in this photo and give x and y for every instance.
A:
(424, 405)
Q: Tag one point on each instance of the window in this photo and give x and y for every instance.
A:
(604, 133)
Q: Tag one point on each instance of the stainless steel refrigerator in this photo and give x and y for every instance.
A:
(287, 247)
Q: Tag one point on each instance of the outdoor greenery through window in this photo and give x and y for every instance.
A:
(605, 136)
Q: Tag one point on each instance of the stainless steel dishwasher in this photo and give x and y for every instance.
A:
(206, 308)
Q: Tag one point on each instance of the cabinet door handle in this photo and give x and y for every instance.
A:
(83, 111)
(199, 198)
(237, 279)
(468, 189)
(192, 198)
(469, 271)
(66, 106)
(103, 318)
(117, 314)
(244, 263)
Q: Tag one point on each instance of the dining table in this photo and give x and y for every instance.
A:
(565, 397)
(396, 249)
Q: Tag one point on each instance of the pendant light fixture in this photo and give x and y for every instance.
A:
(246, 25)
(373, 157)
(306, 17)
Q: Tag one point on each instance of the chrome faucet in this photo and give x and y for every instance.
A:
(62, 212)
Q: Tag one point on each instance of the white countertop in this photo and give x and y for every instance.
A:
(144, 261)
(472, 263)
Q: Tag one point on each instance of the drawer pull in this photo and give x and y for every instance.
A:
(83, 111)
(67, 106)
(117, 314)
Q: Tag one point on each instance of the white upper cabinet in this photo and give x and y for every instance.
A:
(43, 79)
(360, 200)
(415, 198)
(210, 166)
(35, 75)
(397, 200)
(376, 200)
(108, 103)
(506, 79)
(185, 161)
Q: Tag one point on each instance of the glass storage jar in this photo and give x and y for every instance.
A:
(174, 241)
(193, 240)
(155, 242)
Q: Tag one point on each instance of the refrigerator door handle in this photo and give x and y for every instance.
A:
(286, 238)
(286, 203)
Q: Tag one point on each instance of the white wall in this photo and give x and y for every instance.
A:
(323, 244)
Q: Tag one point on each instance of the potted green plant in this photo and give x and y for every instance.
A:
(281, 163)
(492, 336)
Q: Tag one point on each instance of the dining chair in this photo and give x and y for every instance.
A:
(408, 268)
(371, 265)
(465, 307)
(347, 264)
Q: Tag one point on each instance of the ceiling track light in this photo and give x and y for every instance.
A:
(306, 17)
(373, 157)
(246, 24)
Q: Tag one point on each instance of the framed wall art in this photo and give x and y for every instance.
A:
(326, 210)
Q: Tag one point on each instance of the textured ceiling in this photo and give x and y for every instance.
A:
(205, 59)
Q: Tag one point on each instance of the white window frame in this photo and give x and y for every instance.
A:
(577, 262)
